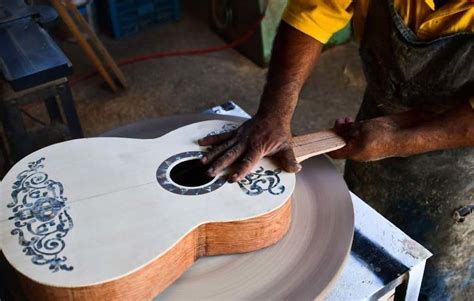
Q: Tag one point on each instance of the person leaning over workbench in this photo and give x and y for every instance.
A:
(410, 151)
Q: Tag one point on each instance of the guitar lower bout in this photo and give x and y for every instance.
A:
(214, 238)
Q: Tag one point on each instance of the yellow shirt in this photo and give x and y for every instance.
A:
(320, 19)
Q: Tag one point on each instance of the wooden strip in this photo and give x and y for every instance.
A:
(95, 40)
(206, 240)
(83, 43)
(314, 144)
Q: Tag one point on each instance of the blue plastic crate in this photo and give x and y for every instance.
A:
(126, 17)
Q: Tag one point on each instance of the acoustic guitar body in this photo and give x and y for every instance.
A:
(118, 218)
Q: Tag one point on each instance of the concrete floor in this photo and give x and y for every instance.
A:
(177, 85)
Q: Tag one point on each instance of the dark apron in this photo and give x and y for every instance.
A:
(420, 193)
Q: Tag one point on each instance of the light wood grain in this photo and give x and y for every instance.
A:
(206, 240)
(131, 237)
(124, 221)
(304, 265)
(314, 144)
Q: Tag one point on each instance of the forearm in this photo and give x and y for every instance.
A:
(294, 55)
(451, 129)
(268, 133)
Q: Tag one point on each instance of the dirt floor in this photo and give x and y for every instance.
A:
(177, 85)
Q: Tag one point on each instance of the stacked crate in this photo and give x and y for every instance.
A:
(126, 17)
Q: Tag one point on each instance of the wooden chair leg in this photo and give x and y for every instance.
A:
(53, 109)
(97, 43)
(83, 42)
(69, 110)
(19, 143)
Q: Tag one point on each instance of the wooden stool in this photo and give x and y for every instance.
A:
(57, 97)
(34, 68)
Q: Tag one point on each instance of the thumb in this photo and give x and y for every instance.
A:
(287, 161)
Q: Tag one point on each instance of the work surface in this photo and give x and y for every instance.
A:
(382, 257)
(126, 170)
(302, 266)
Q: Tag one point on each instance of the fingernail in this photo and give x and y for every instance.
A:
(234, 177)
(204, 160)
(298, 167)
(210, 172)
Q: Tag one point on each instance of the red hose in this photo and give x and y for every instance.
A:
(187, 52)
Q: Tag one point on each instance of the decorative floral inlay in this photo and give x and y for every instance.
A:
(262, 180)
(162, 176)
(40, 217)
(228, 127)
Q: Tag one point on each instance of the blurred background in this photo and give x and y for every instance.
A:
(177, 56)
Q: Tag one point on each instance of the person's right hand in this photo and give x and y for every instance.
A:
(245, 146)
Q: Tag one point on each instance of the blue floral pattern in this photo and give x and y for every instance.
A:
(228, 127)
(262, 180)
(40, 217)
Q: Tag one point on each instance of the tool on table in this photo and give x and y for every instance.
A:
(76, 22)
(122, 218)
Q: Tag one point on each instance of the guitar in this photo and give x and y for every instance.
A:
(119, 218)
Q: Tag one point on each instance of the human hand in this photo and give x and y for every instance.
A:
(245, 146)
(368, 140)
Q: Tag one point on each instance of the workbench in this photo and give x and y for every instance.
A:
(29, 56)
(33, 68)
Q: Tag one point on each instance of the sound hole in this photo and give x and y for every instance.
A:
(190, 173)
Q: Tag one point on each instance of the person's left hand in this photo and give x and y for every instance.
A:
(368, 140)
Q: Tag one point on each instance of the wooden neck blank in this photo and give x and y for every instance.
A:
(310, 145)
